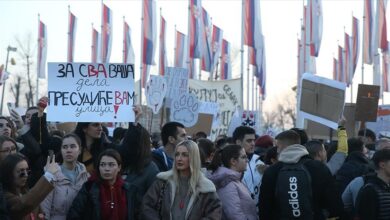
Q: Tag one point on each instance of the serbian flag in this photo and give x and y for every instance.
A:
(163, 54)
(381, 30)
(42, 49)
(261, 68)
(207, 57)
(71, 35)
(252, 24)
(95, 47)
(316, 26)
(347, 59)
(106, 34)
(128, 51)
(368, 31)
(149, 35)
(355, 44)
(226, 65)
(180, 50)
(385, 71)
(216, 46)
(195, 32)
(341, 65)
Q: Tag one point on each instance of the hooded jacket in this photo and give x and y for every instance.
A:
(236, 199)
(203, 203)
(324, 190)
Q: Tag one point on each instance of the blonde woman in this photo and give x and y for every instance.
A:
(182, 192)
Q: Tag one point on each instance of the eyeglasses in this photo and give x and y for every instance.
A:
(24, 172)
(13, 149)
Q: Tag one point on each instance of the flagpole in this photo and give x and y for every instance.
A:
(175, 48)
(124, 40)
(69, 34)
(242, 54)
(189, 67)
(364, 18)
(39, 63)
(142, 59)
(247, 79)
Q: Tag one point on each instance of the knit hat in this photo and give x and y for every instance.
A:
(264, 141)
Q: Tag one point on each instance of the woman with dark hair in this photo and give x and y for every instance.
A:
(228, 166)
(93, 142)
(7, 127)
(21, 202)
(7, 146)
(182, 192)
(105, 195)
(138, 168)
(69, 180)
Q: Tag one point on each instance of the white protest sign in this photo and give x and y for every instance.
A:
(211, 108)
(177, 80)
(184, 109)
(90, 92)
(235, 122)
(156, 88)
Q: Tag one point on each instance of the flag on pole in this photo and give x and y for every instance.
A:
(149, 35)
(163, 54)
(226, 65)
(71, 35)
(95, 48)
(42, 49)
(347, 59)
(128, 51)
(368, 31)
(316, 26)
(181, 48)
(261, 69)
(195, 32)
(385, 71)
(216, 46)
(106, 34)
(252, 24)
(381, 30)
(355, 44)
(207, 37)
(340, 65)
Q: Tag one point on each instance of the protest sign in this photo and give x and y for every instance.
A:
(177, 81)
(225, 92)
(235, 121)
(184, 109)
(90, 92)
(211, 108)
(204, 124)
(321, 99)
(367, 102)
(156, 88)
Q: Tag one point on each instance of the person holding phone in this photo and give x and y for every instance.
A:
(70, 178)
(23, 203)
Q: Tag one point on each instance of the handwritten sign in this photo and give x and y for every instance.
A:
(177, 80)
(184, 109)
(90, 92)
(211, 108)
(156, 89)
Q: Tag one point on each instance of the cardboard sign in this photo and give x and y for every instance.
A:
(211, 108)
(184, 109)
(156, 88)
(90, 92)
(321, 99)
(204, 124)
(177, 80)
(367, 102)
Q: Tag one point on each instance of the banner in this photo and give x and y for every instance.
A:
(90, 92)
(225, 92)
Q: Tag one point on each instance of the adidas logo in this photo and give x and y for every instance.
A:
(293, 194)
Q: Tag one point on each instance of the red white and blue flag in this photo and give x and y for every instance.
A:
(226, 65)
(316, 26)
(106, 33)
(207, 35)
(71, 35)
(195, 32)
(380, 40)
(252, 24)
(347, 59)
(42, 49)
(216, 46)
(128, 51)
(385, 70)
(163, 53)
(355, 45)
(149, 36)
(181, 50)
(368, 31)
(95, 47)
(341, 65)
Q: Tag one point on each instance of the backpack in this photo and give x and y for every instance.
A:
(294, 192)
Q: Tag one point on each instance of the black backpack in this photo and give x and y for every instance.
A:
(294, 192)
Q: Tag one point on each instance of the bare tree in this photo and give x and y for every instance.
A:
(285, 114)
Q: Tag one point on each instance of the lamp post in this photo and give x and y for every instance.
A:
(13, 49)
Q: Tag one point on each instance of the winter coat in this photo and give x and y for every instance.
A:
(325, 195)
(356, 164)
(86, 205)
(21, 207)
(252, 177)
(203, 203)
(58, 202)
(338, 158)
(236, 199)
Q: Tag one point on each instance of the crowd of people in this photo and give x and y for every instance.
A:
(86, 174)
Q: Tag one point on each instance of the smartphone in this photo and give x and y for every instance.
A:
(51, 154)
(11, 106)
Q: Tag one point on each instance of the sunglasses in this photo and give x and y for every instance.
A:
(24, 173)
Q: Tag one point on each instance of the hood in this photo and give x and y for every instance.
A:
(223, 176)
(292, 153)
(204, 185)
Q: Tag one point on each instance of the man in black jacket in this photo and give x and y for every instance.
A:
(325, 196)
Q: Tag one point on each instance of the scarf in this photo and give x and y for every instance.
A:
(113, 202)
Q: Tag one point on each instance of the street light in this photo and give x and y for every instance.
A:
(13, 49)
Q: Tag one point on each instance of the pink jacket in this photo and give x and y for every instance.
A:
(57, 203)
